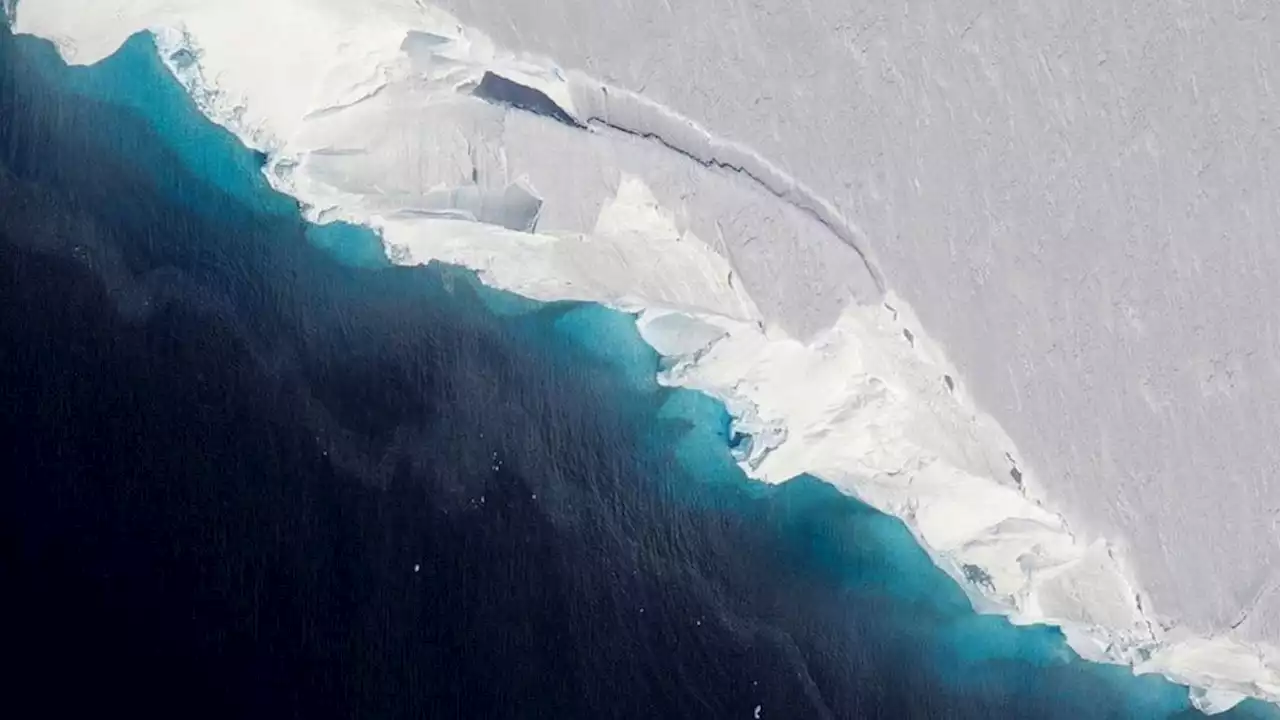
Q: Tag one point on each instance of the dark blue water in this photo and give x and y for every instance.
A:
(250, 470)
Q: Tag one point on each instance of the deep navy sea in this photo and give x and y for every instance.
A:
(249, 470)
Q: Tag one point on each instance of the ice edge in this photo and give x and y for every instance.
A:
(1221, 671)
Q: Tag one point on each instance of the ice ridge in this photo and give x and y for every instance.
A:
(633, 114)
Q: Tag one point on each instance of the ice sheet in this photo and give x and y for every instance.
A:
(751, 276)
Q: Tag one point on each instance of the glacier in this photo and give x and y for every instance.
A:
(754, 288)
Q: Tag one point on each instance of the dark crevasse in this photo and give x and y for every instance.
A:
(249, 471)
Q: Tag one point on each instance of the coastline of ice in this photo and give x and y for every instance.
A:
(858, 396)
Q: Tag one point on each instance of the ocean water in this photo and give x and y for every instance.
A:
(252, 470)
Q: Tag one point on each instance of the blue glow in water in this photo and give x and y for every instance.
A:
(134, 77)
(872, 554)
(702, 443)
(611, 338)
(351, 244)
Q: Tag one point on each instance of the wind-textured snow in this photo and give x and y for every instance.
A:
(1075, 199)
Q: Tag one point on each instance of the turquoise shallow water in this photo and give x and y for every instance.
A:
(135, 78)
(592, 547)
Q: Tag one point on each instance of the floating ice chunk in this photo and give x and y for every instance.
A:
(1212, 702)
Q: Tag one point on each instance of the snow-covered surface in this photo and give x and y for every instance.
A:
(752, 279)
